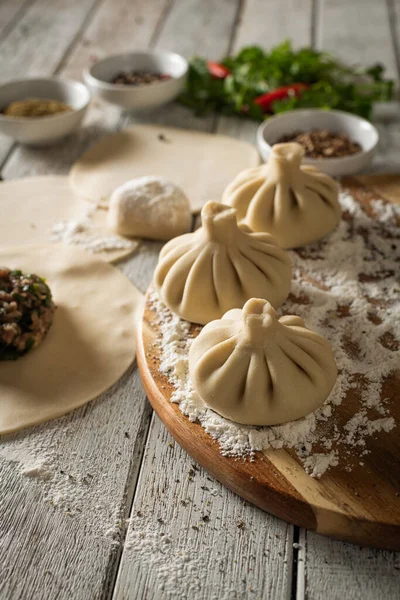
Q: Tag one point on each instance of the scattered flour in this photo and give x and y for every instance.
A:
(49, 458)
(83, 232)
(170, 562)
(346, 288)
(42, 470)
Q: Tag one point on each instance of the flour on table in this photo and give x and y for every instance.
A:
(169, 561)
(345, 288)
(62, 479)
(83, 232)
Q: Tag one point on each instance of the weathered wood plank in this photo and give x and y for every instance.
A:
(116, 27)
(336, 570)
(199, 27)
(75, 477)
(388, 117)
(191, 538)
(10, 13)
(38, 42)
(369, 42)
(269, 22)
(393, 8)
(358, 32)
(60, 540)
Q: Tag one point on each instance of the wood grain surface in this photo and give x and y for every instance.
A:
(241, 553)
(360, 506)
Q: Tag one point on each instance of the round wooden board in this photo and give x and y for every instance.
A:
(361, 506)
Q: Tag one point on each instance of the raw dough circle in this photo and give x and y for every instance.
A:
(30, 207)
(202, 164)
(91, 342)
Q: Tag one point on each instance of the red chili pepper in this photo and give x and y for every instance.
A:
(265, 101)
(217, 70)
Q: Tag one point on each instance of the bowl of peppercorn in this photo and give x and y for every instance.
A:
(138, 81)
(336, 142)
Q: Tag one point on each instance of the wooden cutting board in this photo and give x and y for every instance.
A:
(361, 506)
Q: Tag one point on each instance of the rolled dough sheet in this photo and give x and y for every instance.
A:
(202, 164)
(30, 207)
(89, 346)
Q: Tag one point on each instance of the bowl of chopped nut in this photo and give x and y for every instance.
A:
(40, 112)
(138, 81)
(336, 142)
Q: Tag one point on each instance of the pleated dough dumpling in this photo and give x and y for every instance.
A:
(296, 203)
(254, 369)
(220, 266)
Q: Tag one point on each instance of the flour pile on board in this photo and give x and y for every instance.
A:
(83, 232)
(345, 288)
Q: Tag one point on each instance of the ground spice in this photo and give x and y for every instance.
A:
(321, 143)
(35, 107)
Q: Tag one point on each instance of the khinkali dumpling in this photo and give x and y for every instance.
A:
(203, 274)
(296, 204)
(256, 369)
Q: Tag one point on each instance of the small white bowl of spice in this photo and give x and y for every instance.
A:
(40, 112)
(139, 80)
(336, 142)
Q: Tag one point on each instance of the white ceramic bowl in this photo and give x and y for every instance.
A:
(141, 97)
(358, 129)
(43, 131)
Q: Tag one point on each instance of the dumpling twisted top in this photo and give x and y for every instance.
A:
(254, 369)
(220, 266)
(296, 204)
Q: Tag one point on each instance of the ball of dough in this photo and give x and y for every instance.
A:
(149, 207)
(296, 204)
(254, 369)
(220, 266)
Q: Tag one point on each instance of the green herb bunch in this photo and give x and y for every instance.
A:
(254, 72)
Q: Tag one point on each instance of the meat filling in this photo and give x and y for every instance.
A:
(26, 312)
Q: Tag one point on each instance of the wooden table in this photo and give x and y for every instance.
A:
(102, 503)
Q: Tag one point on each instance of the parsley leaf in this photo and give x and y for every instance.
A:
(254, 72)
